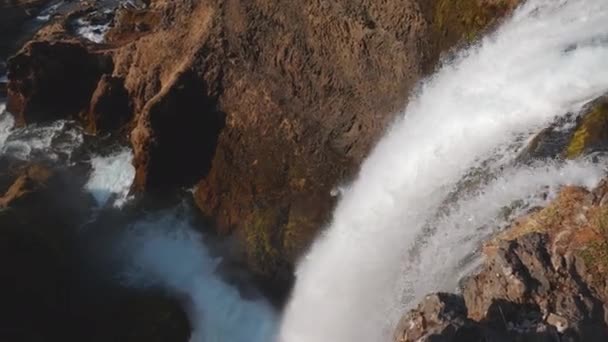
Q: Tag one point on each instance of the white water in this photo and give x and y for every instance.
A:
(6, 124)
(163, 251)
(95, 33)
(47, 13)
(52, 142)
(111, 178)
(476, 217)
(549, 59)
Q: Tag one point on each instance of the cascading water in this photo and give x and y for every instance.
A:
(111, 178)
(164, 251)
(388, 243)
(54, 142)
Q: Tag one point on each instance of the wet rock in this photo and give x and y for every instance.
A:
(544, 279)
(33, 179)
(262, 109)
(457, 23)
(591, 133)
(437, 314)
(53, 80)
(110, 107)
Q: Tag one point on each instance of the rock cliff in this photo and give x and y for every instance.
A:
(262, 106)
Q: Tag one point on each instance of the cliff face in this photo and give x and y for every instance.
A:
(264, 106)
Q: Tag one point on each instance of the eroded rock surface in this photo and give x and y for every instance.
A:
(544, 280)
(263, 106)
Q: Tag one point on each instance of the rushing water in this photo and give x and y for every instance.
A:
(445, 177)
(111, 178)
(164, 251)
(387, 244)
(55, 141)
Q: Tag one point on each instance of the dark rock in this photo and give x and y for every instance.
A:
(48, 289)
(263, 109)
(53, 80)
(518, 296)
(110, 107)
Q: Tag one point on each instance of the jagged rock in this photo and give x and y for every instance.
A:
(570, 138)
(440, 313)
(110, 107)
(264, 106)
(35, 73)
(544, 279)
(33, 179)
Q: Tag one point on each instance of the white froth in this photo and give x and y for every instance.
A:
(92, 32)
(164, 251)
(550, 58)
(111, 178)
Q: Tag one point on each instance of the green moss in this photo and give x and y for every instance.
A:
(592, 130)
(299, 232)
(261, 249)
(595, 257)
(466, 18)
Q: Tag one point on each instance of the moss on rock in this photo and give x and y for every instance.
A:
(261, 242)
(591, 132)
(467, 18)
(462, 22)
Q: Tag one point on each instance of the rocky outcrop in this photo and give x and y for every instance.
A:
(263, 106)
(32, 179)
(53, 80)
(457, 23)
(591, 133)
(573, 135)
(544, 279)
(110, 106)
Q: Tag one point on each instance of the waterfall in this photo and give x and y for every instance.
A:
(388, 243)
(164, 251)
(111, 177)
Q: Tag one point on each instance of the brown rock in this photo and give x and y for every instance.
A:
(110, 107)
(265, 105)
(53, 80)
(544, 279)
(31, 180)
